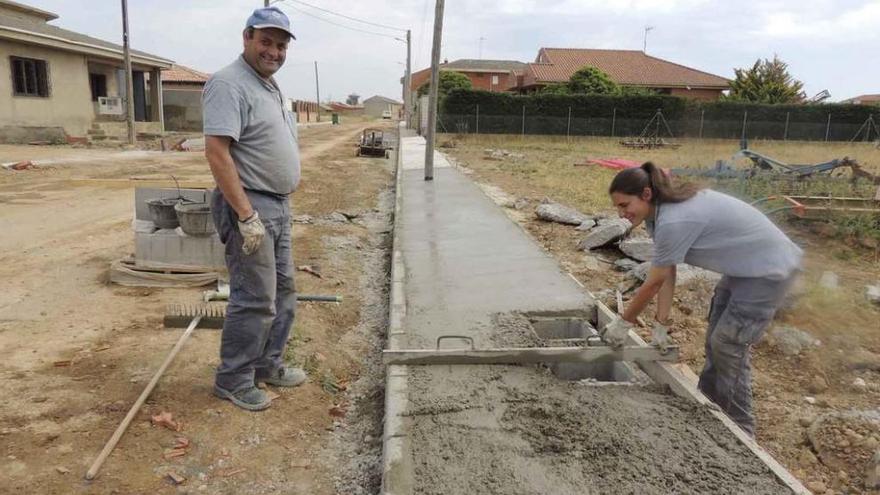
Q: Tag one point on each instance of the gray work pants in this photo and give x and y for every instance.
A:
(262, 302)
(741, 311)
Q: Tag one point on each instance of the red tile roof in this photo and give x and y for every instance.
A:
(182, 74)
(863, 99)
(338, 105)
(626, 67)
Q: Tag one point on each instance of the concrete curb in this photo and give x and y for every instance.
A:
(397, 472)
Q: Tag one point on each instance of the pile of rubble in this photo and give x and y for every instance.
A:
(604, 232)
(848, 442)
(501, 155)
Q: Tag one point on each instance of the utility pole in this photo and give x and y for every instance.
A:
(435, 82)
(129, 86)
(645, 43)
(407, 82)
(317, 91)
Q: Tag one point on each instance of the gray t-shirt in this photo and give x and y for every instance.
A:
(240, 104)
(722, 234)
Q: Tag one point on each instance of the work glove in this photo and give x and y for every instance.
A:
(252, 232)
(660, 336)
(615, 332)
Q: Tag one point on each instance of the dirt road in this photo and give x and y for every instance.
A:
(78, 350)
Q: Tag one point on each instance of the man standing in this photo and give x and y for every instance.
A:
(251, 146)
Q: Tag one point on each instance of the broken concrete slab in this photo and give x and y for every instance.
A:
(605, 233)
(625, 264)
(639, 248)
(684, 273)
(872, 293)
(559, 213)
(586, 225)
(792, 341)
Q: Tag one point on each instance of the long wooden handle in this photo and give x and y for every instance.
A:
(111, 444)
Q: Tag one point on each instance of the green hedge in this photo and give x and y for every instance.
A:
(463, 102)
(731, 110)
(592, 115)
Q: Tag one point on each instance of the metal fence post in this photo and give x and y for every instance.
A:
(785, 134)
(702, 117)
(568, 126)
(477, 131)
(745, 118)
(828, 127)
(613, 120)
(523, 132)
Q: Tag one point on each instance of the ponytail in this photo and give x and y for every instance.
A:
(633, 181)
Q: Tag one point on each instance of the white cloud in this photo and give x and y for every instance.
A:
(859, 23)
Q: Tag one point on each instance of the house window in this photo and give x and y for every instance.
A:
(98, 83)
(30, 77)
(494, 80)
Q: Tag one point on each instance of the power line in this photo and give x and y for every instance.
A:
(346, 17)
(384, 35)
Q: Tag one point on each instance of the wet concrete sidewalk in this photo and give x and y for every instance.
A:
(458, 260)
(465, 260)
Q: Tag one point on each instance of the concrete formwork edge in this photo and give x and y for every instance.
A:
(397, 470)
(682, 381)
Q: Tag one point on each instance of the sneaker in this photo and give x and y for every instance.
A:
(284, 377)
(252, 399)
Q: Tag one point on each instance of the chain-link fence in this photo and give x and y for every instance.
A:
(573, 125)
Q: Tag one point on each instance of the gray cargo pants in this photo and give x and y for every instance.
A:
(741, 310)
(262, 302)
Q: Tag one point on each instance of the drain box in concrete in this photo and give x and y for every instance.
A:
(573, 331)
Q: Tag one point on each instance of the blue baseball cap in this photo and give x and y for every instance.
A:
(270, 17)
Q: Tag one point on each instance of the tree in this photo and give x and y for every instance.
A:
(637, 91)
(555, 89)
(590, 80)
(768, 81)
(449, 81)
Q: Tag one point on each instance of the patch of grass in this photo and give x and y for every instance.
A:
(329, 383)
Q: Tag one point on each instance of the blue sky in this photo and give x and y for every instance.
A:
(828, 44)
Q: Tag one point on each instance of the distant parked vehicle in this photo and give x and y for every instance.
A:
(372, 143)
(386, 114)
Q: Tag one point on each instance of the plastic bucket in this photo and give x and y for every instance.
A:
(162, 212)
(195, 218)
